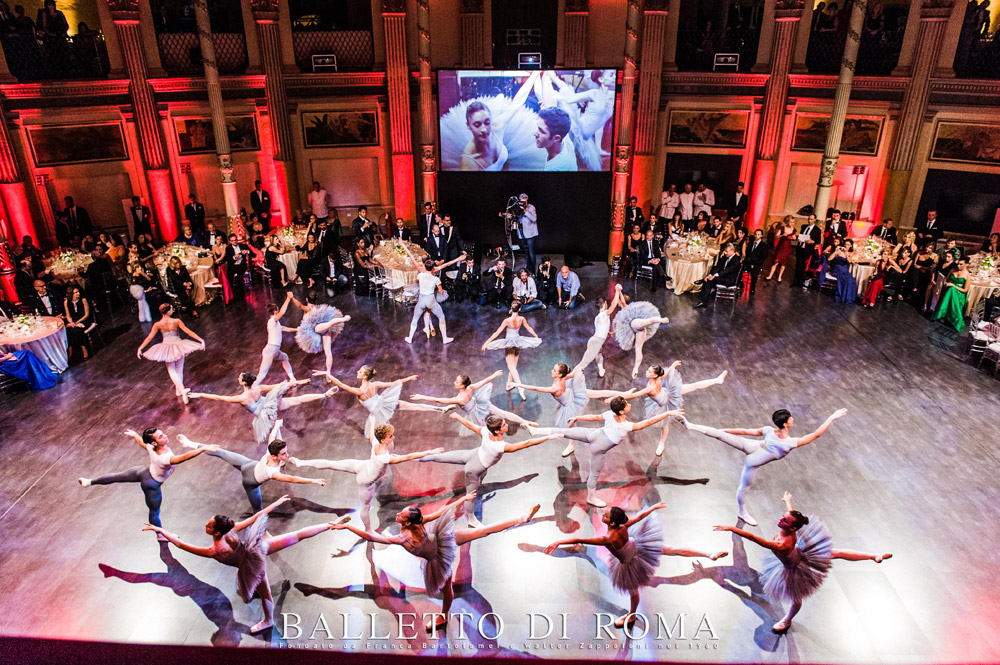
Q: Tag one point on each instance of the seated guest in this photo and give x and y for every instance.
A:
(46, 301)
(31, 252)
(188, 237)
(701, 224)
(545, 280)
(272, 259)
(24, 281)
(237, 264)
(26, 366)
(945, 266)
(632, 242)
(333, 271)
(568, 287)
(901, 274)
(741, 241)
(837, 264)
(526, 293)
(466, 281)
(657, 224)
(715, 227)
(117, 253)
(924, 263)
(951, 247)
(64, 237)
(79, 317)
(87, 244)
(876, 283)
(401, 232)
(362, 264)
(651, 255)
(498, 285)
(437, 247)
(211, 236)
(145, 246)
(181, 285)
(886, 231)
(310, 253)
(728, 234)
(220, 252)
(99, 275)
(145, 287)
(257, 240)
(674, 229)
(909, 242)
(725, 273)
(991, 245)
(754, 257)
(835, 227)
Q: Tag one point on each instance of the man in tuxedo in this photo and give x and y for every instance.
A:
(142, 219)
(24, 282)
(467, 280)
(808, 239)
(651, 255)
(739, 203)
(633, 213)
(437, 248)
(715, 228)
(401, 232)
(755, 258)
(452, 238)
(46, 301)
(725, 273)
(498, 285)
(424, 223)
(363, 226)
(835, 226)
(260, 202)
(930, 231)
(77, 218)
(237, 260)
(194, 213)
(208, 240)
(885, 231)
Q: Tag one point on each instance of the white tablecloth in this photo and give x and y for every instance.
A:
(291, 261)
(861, 272)
(49, 343)
(978, 291)
(201, 276)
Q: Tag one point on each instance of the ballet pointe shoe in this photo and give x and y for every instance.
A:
(186, 442)
(331, 391)
(531, 514)
(718, 555)
(747, 518)
(879, 558)
(567, 451)
(262, 625)
(625, 619)
(84, 482)
(474, 522)
(447, 340)
(520, 391)
(597, 503)
(600, 371)
(722, 377)
(408, 340)
(782, 626)
(659, 448)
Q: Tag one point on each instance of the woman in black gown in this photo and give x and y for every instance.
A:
(180, 283)
(78, 319)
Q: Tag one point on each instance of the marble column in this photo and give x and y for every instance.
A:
(474, 33)
(428, 116)
(841, 99)
(284, 188)
(575, 34)
(772, 114)
(125, 14)
(623, 149)
(20, 221)
(398, 84)
(933, 21)
(654, 34)
(211, 68)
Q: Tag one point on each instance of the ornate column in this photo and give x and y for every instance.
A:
(673, 24)
(766, 40)
(787, 17)
(933, 20)
(952, 35)
(211, 68)
(654, 34)
(841, 99)
(428, 116)
(397, 79)
(125, 14)
(284, 188)
(575, 33)
(20, 221)
(623, 148)
(473, 33)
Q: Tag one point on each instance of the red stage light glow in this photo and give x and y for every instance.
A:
(163, 203)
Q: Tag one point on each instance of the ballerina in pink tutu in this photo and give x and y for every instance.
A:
(172, 349)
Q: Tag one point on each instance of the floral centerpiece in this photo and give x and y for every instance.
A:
(21, 325)
(67, 258)
(988, 264)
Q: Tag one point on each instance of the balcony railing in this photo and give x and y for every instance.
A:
(353, 48)
(31, 58)
(180, 53)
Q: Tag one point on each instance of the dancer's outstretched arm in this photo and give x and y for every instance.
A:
(135, 437)
(187, 331)
(809, 438)
(232, 399)
(787, 498)
(489, 379)
(284, 307)
(745, 432)
(616, 300)
(442, 510)
(514, 447)
(763, 542)
(268, 387)
(644, 514)
(552, 390)
(643, 424)
(149, 338)
(174, 540)
(496, 334)
(239, 526)
(455, 260)
(386, 384)
(372, 536)
(439, 400)
(337, 382)
(599, 540)
(178, 459)
(398, 459)
(298, 480)
(471, 425)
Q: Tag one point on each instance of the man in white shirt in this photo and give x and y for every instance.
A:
(318, 202)
(685, 203)
(429, 285)
(669, 201)
(46, 304)
(273, 350)
(704, 199)
(526, 293)
(552, 136)
(808, 239)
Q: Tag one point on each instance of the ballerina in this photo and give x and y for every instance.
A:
(172, 349)
(636, 323)
(670, 397)
(800, 559)
(320, 325)
(602, 326)
(776, 444)
(601, 440)
(474, 399)
(636, 546)
(478, 461)
(256, 472)
(512, 343)
(368, 472)
(382, 405)
(264, 402)
(249, 553)
(272, 350)
(161, 464)
(436, 545)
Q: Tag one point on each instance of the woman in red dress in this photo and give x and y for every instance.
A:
(782, 247)
(877, 281)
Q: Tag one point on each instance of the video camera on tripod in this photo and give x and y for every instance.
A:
(512, 223)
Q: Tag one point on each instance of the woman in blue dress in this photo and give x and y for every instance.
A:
(26, 366)
(838, 265)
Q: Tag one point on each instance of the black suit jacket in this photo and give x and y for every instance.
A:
(739, 209)
(208, 239)
(142, 220)
(841, 228)
(437, 251)
(424, 226)
(261, 203)
(888, 235)
(726, 270)
(935, 232)
(453, 241)
(231, 264)
(490, 282)
(37, 305)
(816, 235)
(644, 255)
(401, 233)
(755, 258)
(633, 215)
(82, 226)
(194, 213)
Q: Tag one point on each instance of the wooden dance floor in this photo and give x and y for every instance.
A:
(912, 469)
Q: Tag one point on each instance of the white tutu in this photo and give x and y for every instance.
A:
(171, 349)
(522, 154)
(513, 340)
(307, 338)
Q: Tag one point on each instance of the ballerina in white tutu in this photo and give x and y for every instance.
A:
(264, 402)
(800, 559)
(382, 405)
(512, 343)
(634, 325)
(474, 399)
(320, 325)
(668, 396)
(172, 349)
(636, 546)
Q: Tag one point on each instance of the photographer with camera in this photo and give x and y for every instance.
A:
(528, 229)
(498, 285)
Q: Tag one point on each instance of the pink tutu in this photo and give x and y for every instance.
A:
(171, 349)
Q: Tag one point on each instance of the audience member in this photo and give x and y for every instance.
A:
(568, 288)
(260, 203)
(526, 293)
(704, 199)
(633, 215)
(754, 258)
(806, 251)
(930, 230)
(725, 273)
(651, 255)
(498, 285)
(885, 231)
(738, 205)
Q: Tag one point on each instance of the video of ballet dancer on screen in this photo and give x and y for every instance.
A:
(544, 120)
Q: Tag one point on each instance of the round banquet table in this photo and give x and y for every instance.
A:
(399, 270)
(47, 340)
(861, 272)
(199, 267)
(685, 271)
(201, 275)
(978, 290)
(291, 256)
(67, 271)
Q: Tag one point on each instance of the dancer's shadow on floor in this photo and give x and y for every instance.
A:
(731, 578)
(213, 603)
(652, 472)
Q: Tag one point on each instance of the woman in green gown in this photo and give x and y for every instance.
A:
(952, 306)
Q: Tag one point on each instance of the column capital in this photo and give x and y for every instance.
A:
(393, 7)
(936, 10)
(264, 10)
(577, 6)
(656, 6)
(472, 7)
(124, 10)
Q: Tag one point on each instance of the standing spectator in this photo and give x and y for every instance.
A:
(498, 285)
(77, 218)
(424, 223)
(885, 231)
(704, 199)
(568, 289)
(260, 203)
(142, 218)
(782, 244)
(669, 201)
(318, 201)
(526, 293)
(738, 205)
(362, 226)
(930, 231)
(452, 239)
(686, 206)
(194, 213)
(804, 253)
(437, 249)
(633, 214)
(237, 260)
(529, 230)
(756, 254)
(835, 226)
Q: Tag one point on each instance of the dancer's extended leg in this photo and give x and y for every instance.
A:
(175, 370)
(783, 625)
(286, 402)
(463, 536)
(328, 353)
(509, 416)
(701, 385)
(854, 555)
(277, 543)
(745, 446)
(151, 492)
(403, 405)
(244, 464)
(442, 323)
(753, 461)
(684, 551)
(514, 376)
